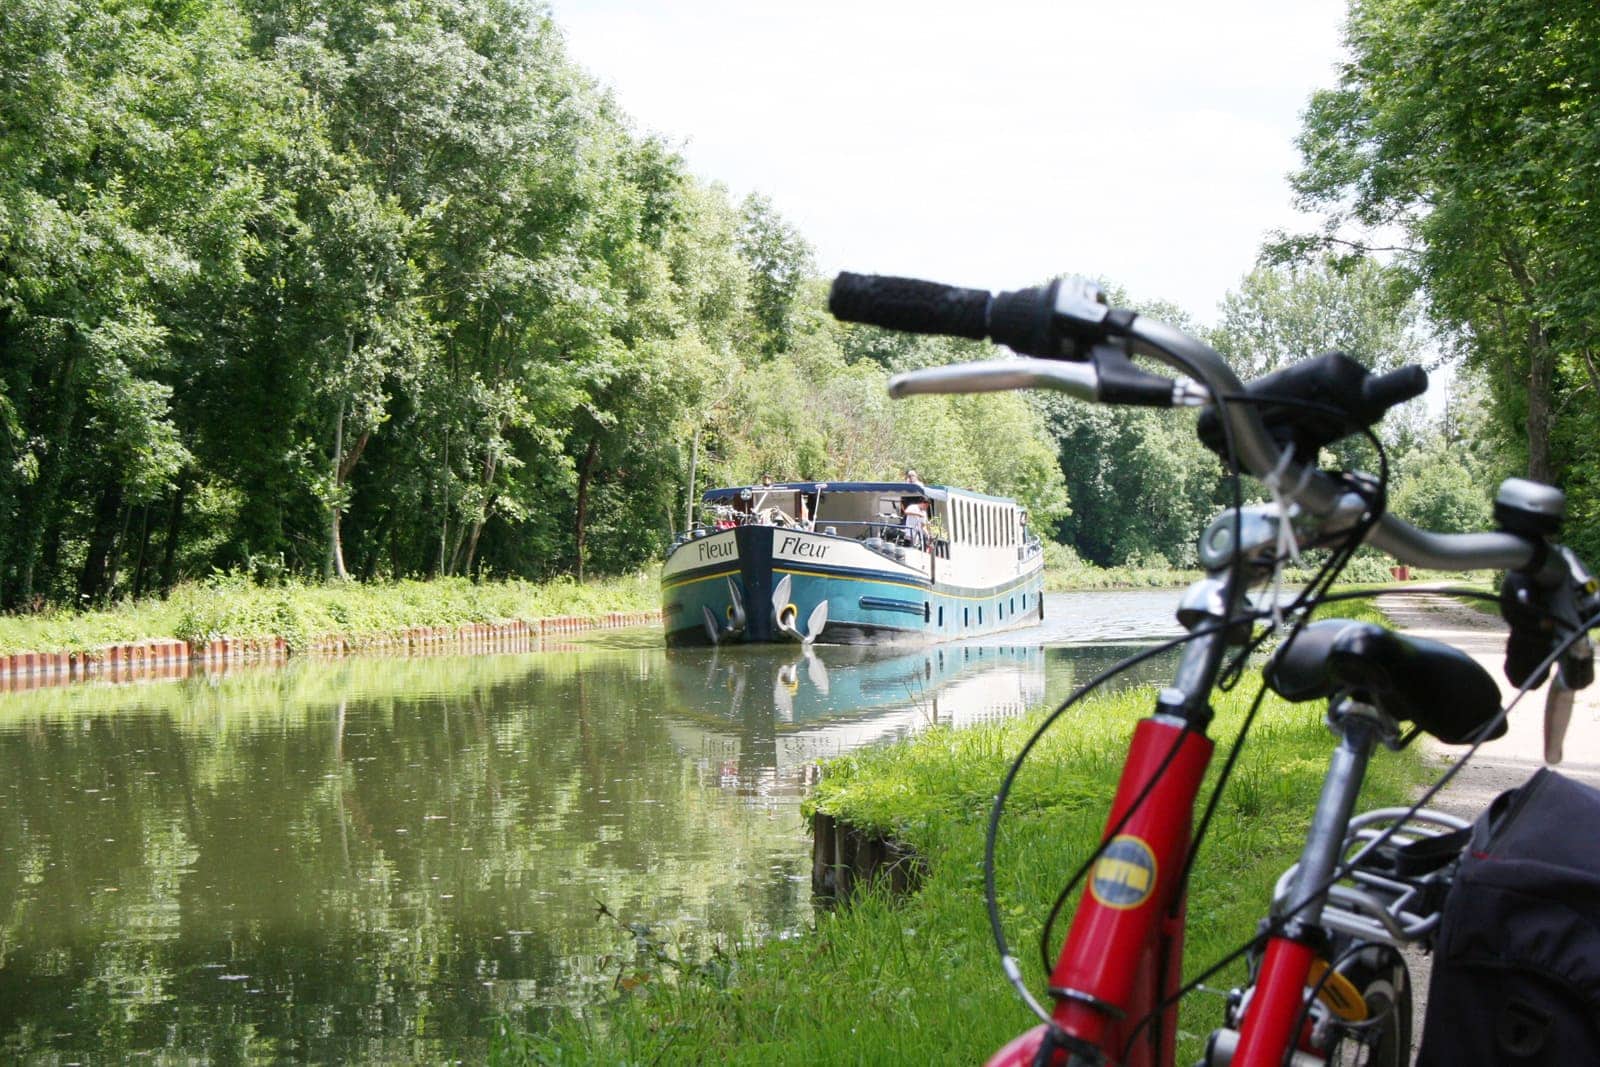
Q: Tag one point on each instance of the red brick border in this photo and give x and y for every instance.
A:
(171, 658)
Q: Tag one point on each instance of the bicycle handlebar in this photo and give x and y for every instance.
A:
(1078, 318)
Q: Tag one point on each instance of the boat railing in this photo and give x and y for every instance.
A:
(886, 532)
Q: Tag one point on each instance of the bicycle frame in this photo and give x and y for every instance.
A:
(1122, 957)
(1125, 948)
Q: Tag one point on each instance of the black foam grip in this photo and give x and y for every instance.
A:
(1384, 391)
(910, 305)
(1024, 321)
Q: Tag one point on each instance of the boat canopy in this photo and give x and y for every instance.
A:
(930, 492)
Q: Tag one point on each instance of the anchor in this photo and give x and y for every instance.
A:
(785, 614)
(734, 627)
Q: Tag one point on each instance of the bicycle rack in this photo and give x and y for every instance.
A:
(1376, 906)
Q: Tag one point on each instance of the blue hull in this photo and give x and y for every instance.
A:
(863, 607)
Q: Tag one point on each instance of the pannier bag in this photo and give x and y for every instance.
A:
(1516, 971)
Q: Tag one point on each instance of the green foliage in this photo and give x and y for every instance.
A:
(232, 605)
(1470, 132)
(380, 291)
(1283, 314)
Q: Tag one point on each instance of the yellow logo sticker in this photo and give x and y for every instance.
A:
(1125, 874)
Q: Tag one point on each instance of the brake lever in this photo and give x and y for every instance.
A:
(1575, 672)
(1557, 716)
(1107, 377)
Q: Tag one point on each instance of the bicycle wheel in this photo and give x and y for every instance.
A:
(1383, 1038)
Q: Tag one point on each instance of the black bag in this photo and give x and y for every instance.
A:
(1516, 970)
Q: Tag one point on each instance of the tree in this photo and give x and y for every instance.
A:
(779, 262)
(1470, 132)
(1284, 313)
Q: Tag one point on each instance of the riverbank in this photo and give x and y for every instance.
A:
(885, 979)
(234, 619)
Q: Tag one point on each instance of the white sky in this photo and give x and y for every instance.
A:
(990, 144)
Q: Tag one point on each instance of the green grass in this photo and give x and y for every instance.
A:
(1087, 577)
(886, 981)
(235, 607)
(1066, 572)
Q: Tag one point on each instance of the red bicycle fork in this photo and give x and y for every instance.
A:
(1125, 949)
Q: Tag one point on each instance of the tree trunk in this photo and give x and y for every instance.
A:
(37, 505)
(472, 540)
(456, 548)
(490, 466)
(444, 526)
(1541, 366)
(102, 541)
(174, 524)
(585, 473)
(334, 564)
(1541, 373)
(376, 542)
(143, 555)
(118, 546)
(694, 459)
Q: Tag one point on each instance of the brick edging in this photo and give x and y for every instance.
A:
(171, 658)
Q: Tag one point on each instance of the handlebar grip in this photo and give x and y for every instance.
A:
(1025, 320)
(910, 305)
(1383, 391)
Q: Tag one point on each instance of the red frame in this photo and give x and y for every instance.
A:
(1124, 952)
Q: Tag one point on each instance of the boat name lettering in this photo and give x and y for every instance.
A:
(795, 546)
(717, 550)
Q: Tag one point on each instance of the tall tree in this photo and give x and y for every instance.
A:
(1467, 133)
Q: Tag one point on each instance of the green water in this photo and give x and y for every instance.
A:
(369, 860)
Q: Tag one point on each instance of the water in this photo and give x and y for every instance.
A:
(367, 860)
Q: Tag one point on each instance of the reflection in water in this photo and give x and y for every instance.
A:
(765, 719)
(366, 860)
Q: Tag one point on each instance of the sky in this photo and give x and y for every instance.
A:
(991, 144)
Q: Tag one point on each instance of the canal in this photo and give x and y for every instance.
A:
(367, 860)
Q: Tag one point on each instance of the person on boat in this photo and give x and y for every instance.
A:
(912, 476)
(916, 512)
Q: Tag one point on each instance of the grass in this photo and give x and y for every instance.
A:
(235, 607)
(888, 981)
(1066, 572)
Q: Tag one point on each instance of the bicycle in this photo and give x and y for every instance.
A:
(1326, 977)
